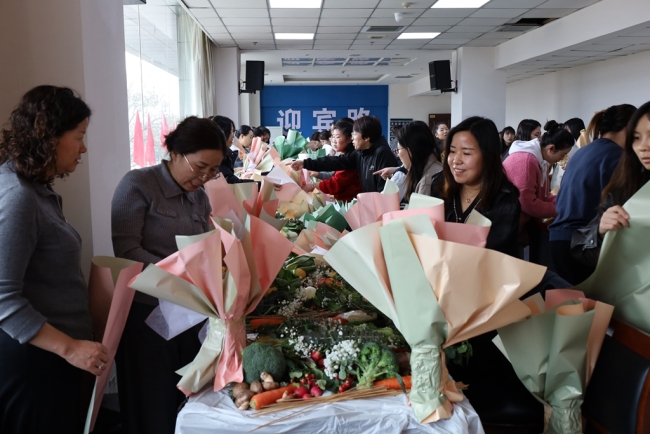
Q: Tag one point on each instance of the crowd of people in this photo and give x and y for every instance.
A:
(46, 347)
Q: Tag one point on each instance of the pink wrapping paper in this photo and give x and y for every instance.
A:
(370, 207)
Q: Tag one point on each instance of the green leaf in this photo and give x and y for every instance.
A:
(295, 374)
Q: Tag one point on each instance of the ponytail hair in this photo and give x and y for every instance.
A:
(611, 120)
(556, 135)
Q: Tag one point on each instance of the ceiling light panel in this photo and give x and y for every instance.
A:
(418, 35)
(456, 4)
(294, 36)
(295, 4)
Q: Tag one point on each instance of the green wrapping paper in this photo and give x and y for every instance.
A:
(328, 215)
(290, 146)
(622, 277)
(317, 153)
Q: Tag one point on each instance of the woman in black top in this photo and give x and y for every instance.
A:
(227, 167)
(472, 177)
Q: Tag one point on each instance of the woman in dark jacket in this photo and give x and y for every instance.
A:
(632, 173)
(227, 167)
(472, 177)
(371, 154)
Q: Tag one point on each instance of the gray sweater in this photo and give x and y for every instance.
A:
(40, 262)
(148, 210)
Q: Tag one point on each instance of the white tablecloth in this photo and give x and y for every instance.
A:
(214, 412)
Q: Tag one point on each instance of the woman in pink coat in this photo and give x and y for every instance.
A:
(527, 168)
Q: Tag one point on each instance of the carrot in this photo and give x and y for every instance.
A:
(269, 397)
(392, 383)
(257, 322)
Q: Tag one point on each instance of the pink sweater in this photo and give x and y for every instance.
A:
(525, 173)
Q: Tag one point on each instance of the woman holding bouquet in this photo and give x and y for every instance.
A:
(631, 173)
(150, 207)
(473, 178)
(45, 325)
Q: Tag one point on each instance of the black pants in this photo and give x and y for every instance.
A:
(566, 266)
(146, 373)
(40, 393)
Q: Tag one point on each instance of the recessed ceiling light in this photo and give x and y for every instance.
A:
(294, 36)
(297, 4)
(416, 35)
(453, 4)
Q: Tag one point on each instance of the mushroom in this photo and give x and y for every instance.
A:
(239, 389)
(256, 387)
(270, 385)
(266, 377)
(245, 397)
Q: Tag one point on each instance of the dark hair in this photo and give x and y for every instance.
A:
(611, 120)
(418, 139)
(574, 125)
(345, 128)
(369, 127)
(526, 128)
(325, 135)
(493, 176)
(31, 135)
(196, 134)
(556, 135)
(630, 175)
(348, 120)
(437, 125)
(260, 131)
(504, 146)
(315, 136)
(243, 131)
(226, 124)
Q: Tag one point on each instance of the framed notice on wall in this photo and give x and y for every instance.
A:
(395, 125)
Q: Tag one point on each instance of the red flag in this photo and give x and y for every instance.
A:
(150, 153)
(164, 130)
(138, 142)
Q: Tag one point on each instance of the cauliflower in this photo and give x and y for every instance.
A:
(374, 362)
(258, 358)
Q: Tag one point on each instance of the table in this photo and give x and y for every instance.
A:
(214, 412)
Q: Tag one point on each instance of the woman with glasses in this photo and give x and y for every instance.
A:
(150, 207)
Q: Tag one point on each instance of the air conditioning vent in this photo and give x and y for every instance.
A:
(376, 36)
(383, 29)
(525, 24)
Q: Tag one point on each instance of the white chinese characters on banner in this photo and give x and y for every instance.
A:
(290, 119)
(324, 119)
(355, 114)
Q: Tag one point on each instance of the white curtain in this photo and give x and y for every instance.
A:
(195, 72)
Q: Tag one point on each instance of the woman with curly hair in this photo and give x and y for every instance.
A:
(45, 326)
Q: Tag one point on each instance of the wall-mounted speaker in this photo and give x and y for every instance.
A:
(440, 75)
(254, 75)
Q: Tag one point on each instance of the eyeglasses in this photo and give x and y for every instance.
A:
(202, 176)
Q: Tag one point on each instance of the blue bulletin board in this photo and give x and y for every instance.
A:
(312, 108)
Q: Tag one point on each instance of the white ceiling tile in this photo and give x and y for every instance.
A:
(506, 4)
(342, 22)
(485, 42)
(292, 45)
(483, 21)
(292, 22)
(442, 46)
(253, 22)
(256, 47)
(438, 29)
(208, 22)
(468, 29)
(324, 29)
(220, 35)
(295, 13)
(197, 3)
(630, 40)
(638, 47)
(346, 13)
(347, 4)
(459, 35)
(294, 29)
(397, 4)
(437, 21)
(215, 29)
(253, 37)
(389, 22)
(548, 13)
(203, 12)
(390, 13)
(239, 4)
(438, 41)
(331, 46)
(499, 35)
(448, 13)
(498, 13)
(604, 47)
(578, 4)
(335, 36)
(242, 30)
(243, 13)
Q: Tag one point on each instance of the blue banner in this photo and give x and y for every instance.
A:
(314, 108)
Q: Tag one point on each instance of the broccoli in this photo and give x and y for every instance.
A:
(374, 362)
(258, 358)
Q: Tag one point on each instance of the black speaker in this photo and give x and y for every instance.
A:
(254, 75)
(440, 74)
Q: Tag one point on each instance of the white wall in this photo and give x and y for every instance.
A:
(225, 67)
(401, 105)
(580, 91)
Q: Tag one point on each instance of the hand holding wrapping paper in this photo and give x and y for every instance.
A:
(193, 278)
(110, 300)
(422, 284)
(622, 276)
(554, 353)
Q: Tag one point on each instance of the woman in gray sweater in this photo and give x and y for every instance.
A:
(150, 207)
(45, 326)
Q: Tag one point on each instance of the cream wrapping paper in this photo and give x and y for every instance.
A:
(422, 284)
(110, 301)
(193, 278)
(554, 353)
